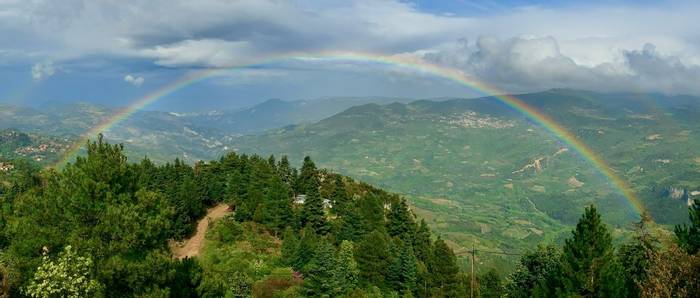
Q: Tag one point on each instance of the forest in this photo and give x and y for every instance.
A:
(104, 227)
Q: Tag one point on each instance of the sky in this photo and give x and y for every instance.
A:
(113, 52)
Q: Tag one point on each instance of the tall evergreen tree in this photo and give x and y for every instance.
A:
(402, 274)
(635, 256)
(443, 269)
(308, 178)
(491, 285)
(313, 212)
(289, 248)
(321, 273)
(688, 236)
(350, 225)
(305, 250)
(589, 263)
(348, 271)
(340, 198)
(537, 274)
(400, 221)
(422, 242)
(373, 258)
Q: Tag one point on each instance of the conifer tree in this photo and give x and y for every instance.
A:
(280, 205)
(402, 274)
(284, 171)
(321, 273)
(290, 245)
(443, 268)
(537, 274)
(400, 221)
(635, 256)
(313, 212)
(373, 258)
(348, 271)
(308, 178)
(340, 198)
(589, 264)
(350, 226)
(305, 250)
(491, 285)
(371, 211)
(422, 242)
(688, 236)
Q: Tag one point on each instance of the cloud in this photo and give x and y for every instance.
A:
(524, 64)
(134, 80)
(593, 46)
(43, 70)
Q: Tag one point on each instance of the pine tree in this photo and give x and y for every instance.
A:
(635, 256)
(491, 285)
(688, 236)
(280, 205)
(321, 273)
(371, 211)
(290, 245)
(402, 274)
(313, 212)
(305, 250)
(348, 271)
(443, 268)
(340, 198)
(350, 226)
(308, 178)
(589, 263)
(373, 258)
(400, 221)
(422, 242)
(537, 271)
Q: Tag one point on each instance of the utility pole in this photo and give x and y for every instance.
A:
(472, 287)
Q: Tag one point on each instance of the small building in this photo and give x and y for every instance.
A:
(4, 166)
(300, 199)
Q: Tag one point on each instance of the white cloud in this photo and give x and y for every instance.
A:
(533, 63)
(43, 70)
(594, 46)
(134, 80)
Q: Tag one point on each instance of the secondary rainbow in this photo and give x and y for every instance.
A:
(400, 61)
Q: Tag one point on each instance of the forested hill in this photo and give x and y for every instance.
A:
(101, 227)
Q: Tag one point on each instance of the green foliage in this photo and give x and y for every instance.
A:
(123, 215)
(321, 275)
(402, 274)
(537, 271)
(313, 215)
(635, 257)
(400, 222)
(348, 270)
(443, 269)
(68, 276)
(589, 263)
(688, 236)
(491, 285)
(373, 258)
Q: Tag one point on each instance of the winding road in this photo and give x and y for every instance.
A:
(192, 247)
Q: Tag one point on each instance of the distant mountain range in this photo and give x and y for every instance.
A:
(477, 170)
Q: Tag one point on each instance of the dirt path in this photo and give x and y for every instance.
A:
(192, 246)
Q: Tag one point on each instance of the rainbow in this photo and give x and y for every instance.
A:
(403, 61)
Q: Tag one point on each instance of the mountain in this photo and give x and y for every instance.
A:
(163, 136)
(38, 148)
(483, 174)
(275, 113)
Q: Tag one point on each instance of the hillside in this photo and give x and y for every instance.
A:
(37, 148)
(482, 174)
(100, 227)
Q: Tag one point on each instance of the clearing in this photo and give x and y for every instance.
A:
(192, 246)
